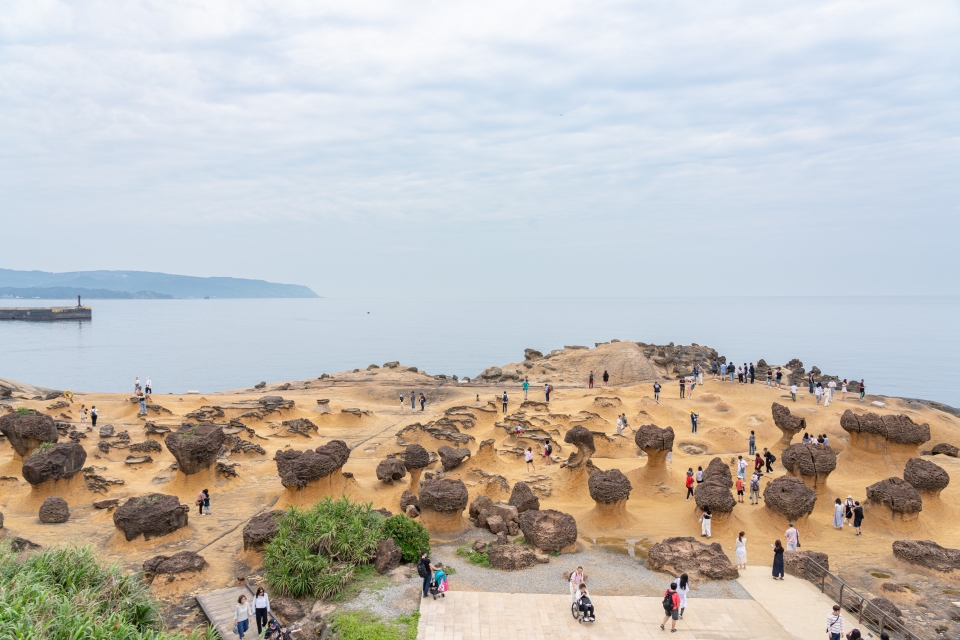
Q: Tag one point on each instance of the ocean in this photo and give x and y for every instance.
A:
(902, 346)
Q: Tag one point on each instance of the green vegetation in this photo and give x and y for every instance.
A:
(317, 550)
(411, 536)
(24, 411)
(365, 578)
(475, 557)
(360, 625)
(63, 593)
(43, 447)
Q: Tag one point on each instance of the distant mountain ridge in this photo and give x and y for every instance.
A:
(139, 284)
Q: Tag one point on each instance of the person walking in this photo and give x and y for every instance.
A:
(723, 372)
(528, 456)
(619, 425)
(835, 624)
(826, 398)
(93, 416)
(547, 452)
(755, 488)
(425, 570)
(693, 421)
(863, 390)
(793, 537)
(838, 514)
(656, 392)
(683, 387)
(83, 415)
(705, 519)
(793, 392)
(741, 467)
(832, 388)
(148, 387)
(590, 381)
(689, 483)
(626, 423)
(606, 377)
(777, 560)
(741, 551)
(739, 485)
(699, 475)
(575, 579)
(671, 607)
(526, 388)
(261, 609)
(241, 616)
(683, 589)
(818, 391)
(769, 458)
(752, 440)
(143, 402)
(848, 506)
(200, 498)
(546, 391)
(503, 401)
(857, 516)
(423, 401)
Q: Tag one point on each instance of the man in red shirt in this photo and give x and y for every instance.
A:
(689, 483)
(671, 607)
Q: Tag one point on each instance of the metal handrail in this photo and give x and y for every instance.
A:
(868, 614)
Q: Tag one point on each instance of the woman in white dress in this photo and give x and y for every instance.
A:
(83, 415)
(838, 515)
(575, 579)
(843, 391)
(741, 551)
(683, 588)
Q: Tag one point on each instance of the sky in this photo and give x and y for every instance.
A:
(433, 149)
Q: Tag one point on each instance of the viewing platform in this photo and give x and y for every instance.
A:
(45, 314)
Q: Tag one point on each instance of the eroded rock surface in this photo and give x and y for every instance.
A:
(523, 498)
(298, 468)
(609, 487)
(687, 555)
(54, 462)
(580, 437)
(925, 476)
(54, 510)
(195, 446)
(789, 424)
(260, 530)
(151, 516)
(790, 497)
(391, 470)
(927, 553)
(28, 432)
(812, 462)
(896, 493)
(452, 457)
(549, 530)
(896, 429)
(444, 495)
(179, 563)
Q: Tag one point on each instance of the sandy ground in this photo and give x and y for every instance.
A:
(728, 412)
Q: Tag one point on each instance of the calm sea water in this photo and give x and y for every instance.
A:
(902, 346)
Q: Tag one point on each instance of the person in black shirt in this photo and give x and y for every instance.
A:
(606, 377)
(769, 458)
(425, 569)
(753, 373)
(683, 387)
(857, 516)
(656, 392)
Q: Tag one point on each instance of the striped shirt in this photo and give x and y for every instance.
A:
(835, 623)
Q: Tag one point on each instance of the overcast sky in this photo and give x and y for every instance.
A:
(494, 148)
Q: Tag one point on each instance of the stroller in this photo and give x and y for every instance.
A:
(439, 585)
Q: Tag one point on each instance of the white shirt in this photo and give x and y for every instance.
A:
(793, 388)
(93, 411)
(242, 612)
(261, 602)
(742, 464)
(149, 384)
(528, 456)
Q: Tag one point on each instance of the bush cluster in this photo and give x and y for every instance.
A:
(411, 536)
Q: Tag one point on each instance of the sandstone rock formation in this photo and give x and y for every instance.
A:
(789, 497)
(887, 434)
(27, 432)
(54, 510)
(927, 553)
(179, 563)
(496, 516)
(656, 443)
(687, 555)
(152, 516)
(54, 462)
(388, 556)
(512, 557)
(523, 498)
(452, 457)
(260, 530)
(442, 502)
(926, 477)
(886, 606)
(391, 470)
(898, 495)
(299, 468)
(549, 530)
(580, 437)
(195, 446)
(812, 463)
(415, 458)
(718, 472)
(610, 491)
(714, 491)
(409, 499)
(789, 424)
(946, 449)
(807, 565)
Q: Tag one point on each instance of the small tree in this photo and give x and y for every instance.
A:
(411, 536)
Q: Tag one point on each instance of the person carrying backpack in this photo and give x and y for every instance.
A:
(425, 570)
(671, 607)
(547, 452)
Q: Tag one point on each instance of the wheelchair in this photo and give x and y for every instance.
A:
(579, 615)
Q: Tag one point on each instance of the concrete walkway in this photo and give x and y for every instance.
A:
(795, 604)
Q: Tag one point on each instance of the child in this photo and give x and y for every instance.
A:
(739, 489)
(547, 452)
(206, 502)
(440, 578)
(586, 606)
(528, 456)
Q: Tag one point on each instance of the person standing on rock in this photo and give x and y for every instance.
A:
(619, 425)
(741, 467)
(705, 519)
(261, 609)
(575, 579)
(242, 615)
(863, 390)
(723, 371)
(843, 391)
(656, 392)
(857, 516)
(83, 415)
(693, 421)
(818, 391)
(779, 378)
(777, 560)
(148, 387)
(546, 391)
(671, 607)
(423, 401)
(769, 378)
(810, 380)
(755, 488)
(699, 475)
(606, 377)
(143, 402)
(757, 462)
(590, 381)
(526, 388)
(199, 502)
(739, 375)
(739, 485)
(136, 383)
(206, 502)
(848, 506)
(93, 416)
(413, 400)
(689, 482)
(832, 387)
(401, 399)
(731, 371)
(528, 456)
(753, 373)
(753, 442)
(547, 452)
(741, 551)
(838, 514)
(683, 387)
(826, 398)
(626, 423)
(793, 537)
(503, 401)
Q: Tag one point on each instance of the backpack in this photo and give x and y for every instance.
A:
(668, 602)
(422, 570)
(549, 449)
(773, 459)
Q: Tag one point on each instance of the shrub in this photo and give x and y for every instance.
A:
(66, 592)
(316, 550)
(24, 411)
(361, 625)
(411, 536)
(475, 557)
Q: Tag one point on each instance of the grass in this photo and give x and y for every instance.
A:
(66, 593)
(24, 411)
(360, 625)
(475, 557)
(364, 577)
(44, 446)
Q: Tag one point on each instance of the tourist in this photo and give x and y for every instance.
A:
(770, 459)
(739, 375)
(810, 380)
(626, 424)
(606, 377)
(699, 375)
(741, 551)
(575, 579)
(401, 399)
(93, 416)
(793, 392)
(693, 384)
(705, 519)
(241, 616)
(826, 398)
(656, 392)
(723, 371)
(693, 421)
(741, 467)
(755, 488)
(819, 392)
(586, 606)
(683, 588)
(425, 570)
(206, 502)
(503, 401)
(689, 482)
(413, 400)
(715, 368)
(200, 498)
(848, 506)
(671, 607)
(547, 452)
(136, 383)
(857, 516)
(423, 401)
(838, 514)
(757, 462)
(590, 381)
(793, 538)
(143, 402)
(261, 608)
(148, 387)
(528, 456)
(546, 391)
(863, 390)
(777, 560)
(826, 440)
(779, 377)
(83, 415)
(699, 475)
(619, 425)
(683, 386)
(753, 373)
(731, 372)
(739, 485)
(832, 388)
(843, 391)
(752, 440)
(835, 624)
(769, 378)
(526, 388)
(517, 430)
(854, 635)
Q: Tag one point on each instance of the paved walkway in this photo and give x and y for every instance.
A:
(795, 604)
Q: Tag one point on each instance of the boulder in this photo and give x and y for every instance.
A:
(887, 607)
(790, 497)
(945, 449)
(687, 555)
(811, 462)
(415, 457)
(411, 511)
(28, 432)
(443, 495)
(180, 562)
(496, 524)
(152, 446)
(275, 403)
(54, 510)
(152, 516)
(408, 499)
(927, 553)
(549, 530)
(897, 494)
(107, 431)
(298, 468)
(479, 505)
(718, 472)
(609, 487)
(260, 530)
(452, 457)
(491, 373)
(523, 498)
(512, 557)
(925, 476)
(808, 565)
(195, 446)
(789, 424)
(287, 609)
(388, 556)
(54, 462)
(391, 470)
(108, 503)
(883, 434)
(580, 437)
(715, 496)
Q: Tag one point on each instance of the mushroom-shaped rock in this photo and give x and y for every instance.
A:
(442, 502)
(179, 563)
(581, 437)
(898, 495)
(152, 516)
(718, 472)
(54, 510)
(523, 498)
(809, 565)
(810, 462)
(549, 530)
(790, 497)
(452, 457)
(715, 496)
(298, 468)
(925, 476)
(54, 462)
(388, 556)
(415, 458)
(391, 470)
(687, 555)
(873, 432)
(657, 443)
(609, 487)
(260, 530)
(512, 557)
(946, 449)
(195, 446)
(927, 553)
(789, 424)
(28, 431)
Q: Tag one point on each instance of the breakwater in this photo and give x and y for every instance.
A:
(45, 314)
